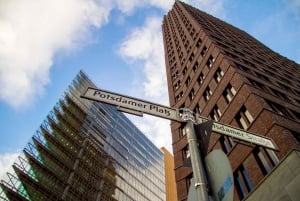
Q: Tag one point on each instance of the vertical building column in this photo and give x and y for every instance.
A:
(76, 163)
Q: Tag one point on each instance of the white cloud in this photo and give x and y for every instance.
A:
(144, 46)
(129, 6)
(6, 161)
(214, 7)
(31, 32)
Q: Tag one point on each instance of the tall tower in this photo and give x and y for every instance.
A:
(86, 150)
(223, 73)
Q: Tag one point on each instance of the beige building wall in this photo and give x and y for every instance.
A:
(171, 192)
(282, 184)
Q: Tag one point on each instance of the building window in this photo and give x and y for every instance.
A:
(244, 118)
(229, 93)
(279, 94)
(215, 114)
(177, 85)
(188, 81)
(191, 57)
(210, 61)
(279, 109)
(258, 85)
(200, 78)
(261, 76)
(199, 43)
(175, 75)
(182, 131)
(218, 75)
(192, 94)
(242, 182)
(195, 67)
(203, 52)
(179, 96)
(186, 152)
(184, 70)
(227, 143)
(197, 109)
(243, 68)
(207, 93)
(262, 161)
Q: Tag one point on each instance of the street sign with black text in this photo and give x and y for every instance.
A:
(131, 103)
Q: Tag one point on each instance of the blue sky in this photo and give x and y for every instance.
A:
(44, 44)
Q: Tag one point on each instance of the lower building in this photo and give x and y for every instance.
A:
(86, 150)
(171, 191)
(283, 183)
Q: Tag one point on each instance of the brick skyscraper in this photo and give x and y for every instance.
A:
(223, 73)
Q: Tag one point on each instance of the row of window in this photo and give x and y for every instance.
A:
(275, 92)
(218, 75)
(281, 81)
(186, 22)
(284, 111)
(265, 161)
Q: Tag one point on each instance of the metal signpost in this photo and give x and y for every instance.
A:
(137, 106)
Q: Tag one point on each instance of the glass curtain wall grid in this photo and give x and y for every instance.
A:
(89, 151)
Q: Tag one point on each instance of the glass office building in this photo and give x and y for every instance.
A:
(86, 150)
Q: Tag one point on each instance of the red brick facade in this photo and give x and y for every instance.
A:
(224, 74)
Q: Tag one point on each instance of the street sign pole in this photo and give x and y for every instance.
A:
(196, 158)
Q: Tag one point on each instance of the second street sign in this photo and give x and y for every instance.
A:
(131, 103)
(243, 135)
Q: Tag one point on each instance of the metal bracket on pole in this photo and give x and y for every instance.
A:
(187, 114)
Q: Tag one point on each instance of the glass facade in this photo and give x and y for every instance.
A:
(86, 150)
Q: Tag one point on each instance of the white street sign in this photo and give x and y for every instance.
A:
(243, 135)
(131, 103)
(138, 107)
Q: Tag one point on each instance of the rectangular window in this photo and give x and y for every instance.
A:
(199, 43)
(215, 114)
(192, 94)
(296, 135)
(188, 81)
(200, 78)
(203, 52)
(195, 67)
(225, 146)
(279, 109)
(218, 75)
(175, 75)
(182, 131)
(177, 85)
(207, 93)
(244, 118)
(210, 61)
(184, 71)
(186, 152)
(229, 93)
(197, 109)
(179, 96)
(191, 57)
(242, 182)
(279, 94)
